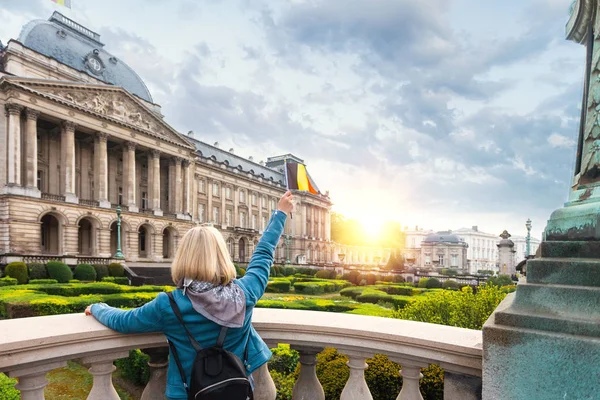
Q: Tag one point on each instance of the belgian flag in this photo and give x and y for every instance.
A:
(297, 178)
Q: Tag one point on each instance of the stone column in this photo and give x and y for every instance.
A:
(307, 386)
(185, 189)
(172, 190)
(178, 187)
(101, 170)
(154, 172)
(31, 151)
(14, 148)
(195, 198)
(223, 203)
(236, 202)
(67, 161)
(411, 376)
(356, 388)
(209, 196)
(32, 380)
(159, 360)
(129, 170)
(102, 368)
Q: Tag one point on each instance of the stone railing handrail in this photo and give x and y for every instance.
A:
(30, 347)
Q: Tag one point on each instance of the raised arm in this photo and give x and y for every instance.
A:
(257, 274)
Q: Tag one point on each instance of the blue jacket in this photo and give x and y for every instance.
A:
(157, 316)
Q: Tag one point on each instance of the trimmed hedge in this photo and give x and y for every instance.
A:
(37, 271)
(352, 292)
(8, 281)
(42, 281)
(59, 271)
(135, 367)
(279, 286)
(85, 272)
(451, 285)
(101, 271)
(326, 274)
(119, 280)
(116, 270)
(17, 270)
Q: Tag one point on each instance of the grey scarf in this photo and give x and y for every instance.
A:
(223, 305)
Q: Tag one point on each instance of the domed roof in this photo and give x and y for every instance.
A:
(442, 237)
(80, 48)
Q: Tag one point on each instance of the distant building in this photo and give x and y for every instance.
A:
(521, 246)
(412, 247)
(444, 250)
(482, 253)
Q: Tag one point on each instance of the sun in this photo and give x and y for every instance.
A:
(372, 226)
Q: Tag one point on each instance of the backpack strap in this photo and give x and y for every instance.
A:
(177, 312)
(221, 338)
(179, 366)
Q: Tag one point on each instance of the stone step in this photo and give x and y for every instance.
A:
(548, 322)
(574, 249)
(564, 271)
(577, 302)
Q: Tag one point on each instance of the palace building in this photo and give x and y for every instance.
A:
(81, 136)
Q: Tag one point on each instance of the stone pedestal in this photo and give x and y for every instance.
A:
(542, 341)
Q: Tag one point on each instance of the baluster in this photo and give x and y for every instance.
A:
(32, 380)
(157, 385)
(461, 387)
(264, 387)
(102, 368)
(356, 388)
(307, 386)
(411, 374)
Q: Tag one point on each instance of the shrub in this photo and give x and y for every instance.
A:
(101, 271)
(85, 272)
(278, 286)
(325, 274)
(272, 272)
(43, 281)
(423, 282)
(398, 278)
(352, 292)
(116, 270)
(135, 367)
(242, 272)
(8, 281)
(499, 281)
(7, 388)
(353, 276)
(373, 296)
(284, 360)
(37, 271)
(289, 271)
(371, 279)
(388, 278)
(401, 290)
(309, 288)
(363, 282)
(74, 281)
(452, 285)
(433, 283)
(284, 383)
(455, 308)
(17, 270)
(119, 280)
(59, 271)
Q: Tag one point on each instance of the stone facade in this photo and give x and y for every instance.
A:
(443, 250)
(73, 148)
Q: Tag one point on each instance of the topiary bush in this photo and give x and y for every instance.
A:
(135, 367)
(116, 270)
(85, 272)
(284, 360)
(279, 286)
(423, 282)
(433, 283)
(119, 280)
(352, 292)
(8, 281)
(242, 272)
(451, 285)
(37, 271)
(17, 270)
(101, 271)
(326, 274)
(59, 271)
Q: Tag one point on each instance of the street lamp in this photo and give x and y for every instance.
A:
(119, 255)
(528, 240)
(287, 240)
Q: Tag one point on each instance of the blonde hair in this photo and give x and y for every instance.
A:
(202, 255)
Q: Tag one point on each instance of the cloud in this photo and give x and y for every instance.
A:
(557, 140)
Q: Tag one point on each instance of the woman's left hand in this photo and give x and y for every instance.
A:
(88, 310)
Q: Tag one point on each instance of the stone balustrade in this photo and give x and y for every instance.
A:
(31, 347)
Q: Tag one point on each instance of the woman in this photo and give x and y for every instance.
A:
(209, 297)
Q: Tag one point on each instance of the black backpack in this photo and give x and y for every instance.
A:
(216, 373)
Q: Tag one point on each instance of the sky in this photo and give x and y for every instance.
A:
(437, 113)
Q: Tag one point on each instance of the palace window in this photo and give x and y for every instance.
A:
(254, 221)
(144, 171)
(144, 200)
(253, 199)
(242, 219)
(201, 186)
(264, 223)
(40, 176)
(454, 260)
(441, 259)
(216, 215)
(263, 200)
(142, 239)
(120, 166)
(216, 189)
(92, 188)
(120, 197)
(228, 192)
(242, 196)
(273, 207)
(202, 213)
(228, 217)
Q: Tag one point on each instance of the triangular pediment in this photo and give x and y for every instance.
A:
(109, 102)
